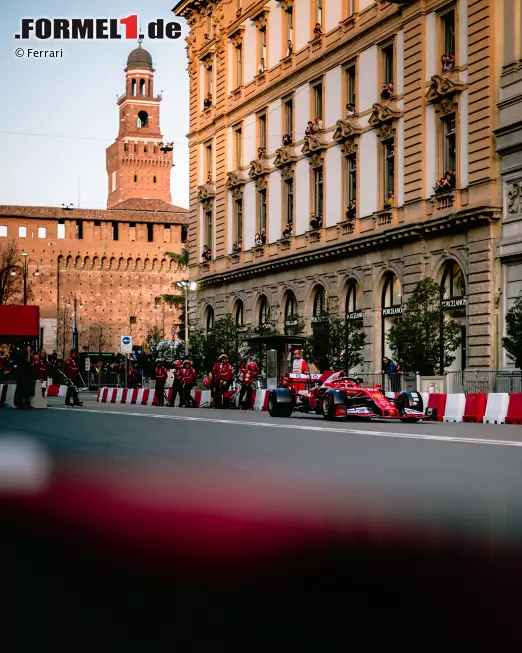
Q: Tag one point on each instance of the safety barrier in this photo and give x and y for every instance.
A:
(145, 397)
(497, 408)
(475, 409)
(514, 413)
(7, 396)
(454, 410)
(437, 402)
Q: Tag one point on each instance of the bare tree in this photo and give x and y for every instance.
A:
(10, 285)
(97, 341)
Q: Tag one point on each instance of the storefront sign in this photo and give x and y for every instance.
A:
(290, 323)
(458, 302)
(318, 319)
(356, 315)
(391, 311)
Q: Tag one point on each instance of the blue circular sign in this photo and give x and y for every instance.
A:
(126, 340)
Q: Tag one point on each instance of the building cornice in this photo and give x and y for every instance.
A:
(413, 232)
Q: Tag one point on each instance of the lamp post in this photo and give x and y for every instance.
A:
(186, 285)
(75, 323)
(25, 262)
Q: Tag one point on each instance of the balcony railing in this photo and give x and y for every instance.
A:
(386, 217)
(348, 228)
(444, 201)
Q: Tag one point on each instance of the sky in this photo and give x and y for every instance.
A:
(59, 115)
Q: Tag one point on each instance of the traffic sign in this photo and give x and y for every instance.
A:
(87, 364)
(173, 330)
(126, 345)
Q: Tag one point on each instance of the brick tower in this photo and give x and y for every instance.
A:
(138, 163)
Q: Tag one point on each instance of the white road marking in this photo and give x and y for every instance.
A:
(303, 427)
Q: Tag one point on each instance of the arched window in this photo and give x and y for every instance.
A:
(453, 283)
(353, 300)
(391, 308)
(209, 319)
(290, 306)
(264, 310)
(142, 87)
(143, 119)
(319, 302)
(133, 89)
(454, 303)
(240, 313)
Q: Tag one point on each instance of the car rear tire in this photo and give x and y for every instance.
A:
(280, 403)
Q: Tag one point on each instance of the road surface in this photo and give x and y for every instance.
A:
(414, 527)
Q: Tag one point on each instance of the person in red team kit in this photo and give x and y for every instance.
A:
(249, 375)
(177, 386)
(41, 370)
(299, 365)
(161, 378)
(72, 372)
(132, 377)
(222, 374)
(189, 381)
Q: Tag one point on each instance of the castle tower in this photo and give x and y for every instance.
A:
(138, 163)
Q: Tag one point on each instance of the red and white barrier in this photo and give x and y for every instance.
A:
(514, 414)
(455, 405)
(475, 409)
(497, 408)
(52, 390)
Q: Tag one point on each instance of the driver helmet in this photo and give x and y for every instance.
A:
(186, 362)
(223, 358)
(252, 366)
(177, 363)
(207, 382)
(297, 353)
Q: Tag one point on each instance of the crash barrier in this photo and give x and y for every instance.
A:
(475, 409)
(146, 397)
(436, 406)
(514, 413)
(7, 396)
(455, 405)
(497, 408)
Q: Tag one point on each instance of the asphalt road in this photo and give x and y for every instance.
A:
(468, 475)
(259, 529)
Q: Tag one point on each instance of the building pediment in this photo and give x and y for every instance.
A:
(258, 167)
(235, 179)
(384, 112)
(313, 143)
(261, 18)
(346, 129)
(284, 156)
(442, 86)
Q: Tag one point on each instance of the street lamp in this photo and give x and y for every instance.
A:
(75, 324)
(25, 262)
(67, 207)
(186, 285)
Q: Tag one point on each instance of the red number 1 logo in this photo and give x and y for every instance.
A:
(131, 26)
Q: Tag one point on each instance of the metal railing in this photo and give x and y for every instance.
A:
(483, 381)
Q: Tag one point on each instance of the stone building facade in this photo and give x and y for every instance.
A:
(509, 144)
(269, 68)
(113, 260)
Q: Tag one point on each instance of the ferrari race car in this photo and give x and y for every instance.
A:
(344, 396)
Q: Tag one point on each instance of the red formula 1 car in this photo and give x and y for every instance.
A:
(344, 396)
